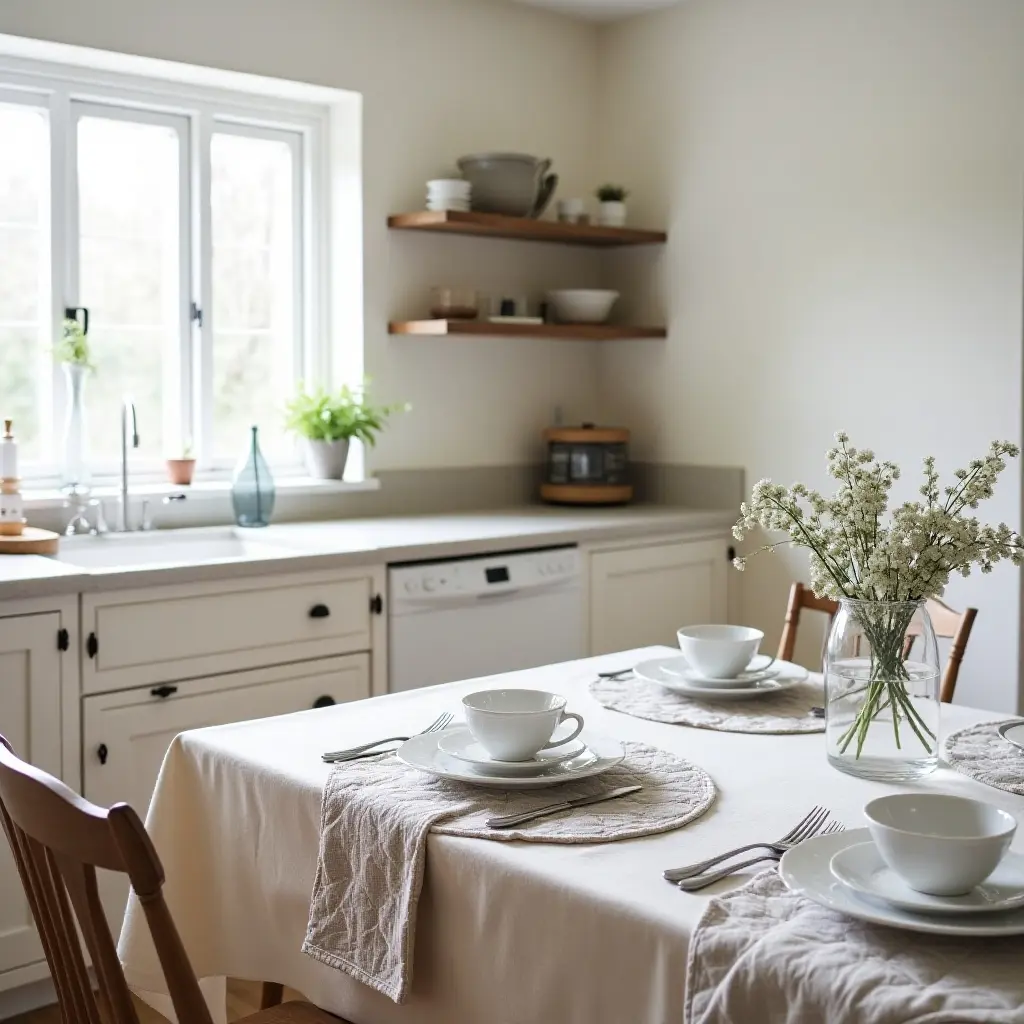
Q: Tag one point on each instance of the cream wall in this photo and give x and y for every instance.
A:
(438, 78)
(842, 182)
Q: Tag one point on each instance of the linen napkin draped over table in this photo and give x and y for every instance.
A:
(376, 816)
(763, 953)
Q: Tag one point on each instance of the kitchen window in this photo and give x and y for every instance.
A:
(185, 224)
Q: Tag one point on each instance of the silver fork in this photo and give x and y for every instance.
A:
(365, 749)
(802, 830)
(697, 882)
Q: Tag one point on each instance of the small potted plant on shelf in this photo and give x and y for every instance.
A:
(327, 422)
(612, 211)
(181, 468)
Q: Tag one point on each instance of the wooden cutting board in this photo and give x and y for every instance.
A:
(31, 541)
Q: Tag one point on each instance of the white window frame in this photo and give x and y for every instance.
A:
(63, 89)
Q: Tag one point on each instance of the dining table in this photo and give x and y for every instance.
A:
(506, 932)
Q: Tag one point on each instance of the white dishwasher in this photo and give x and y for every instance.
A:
(480, 616)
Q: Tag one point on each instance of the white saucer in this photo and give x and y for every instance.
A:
(762, 667)
(806, 869)
(655, 671)
(424, 753)
(458, 742)
(862, 869)
(1013, 732)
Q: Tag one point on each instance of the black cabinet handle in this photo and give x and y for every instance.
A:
(101, 753)
(319, 611)
(163, 692)
(92, 645)
(377, 604)
(324, 702)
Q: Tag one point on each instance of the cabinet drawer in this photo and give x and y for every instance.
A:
(146, 636)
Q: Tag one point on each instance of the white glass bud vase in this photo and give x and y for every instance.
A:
(74, 463)
(882, 690)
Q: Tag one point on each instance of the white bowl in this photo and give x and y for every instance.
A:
(450, 187)
(719, 652)
(582, 305)
(938, 844)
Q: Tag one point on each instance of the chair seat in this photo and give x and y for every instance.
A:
(292, 1013)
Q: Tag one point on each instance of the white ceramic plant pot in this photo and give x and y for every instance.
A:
(612, 215)
(325, 460)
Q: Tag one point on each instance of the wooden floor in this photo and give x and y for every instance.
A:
(243, 999)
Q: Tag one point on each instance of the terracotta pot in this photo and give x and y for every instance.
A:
(179, 471)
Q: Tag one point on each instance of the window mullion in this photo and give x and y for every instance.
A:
(202, 330)
(63, 247)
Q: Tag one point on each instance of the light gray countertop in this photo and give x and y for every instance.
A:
(306, 547)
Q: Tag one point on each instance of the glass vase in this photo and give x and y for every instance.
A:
(882, 691)
(252, 492)
(74, 460)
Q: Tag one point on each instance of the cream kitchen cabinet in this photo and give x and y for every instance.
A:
(37, 678)
(126, 734)
(641, 594)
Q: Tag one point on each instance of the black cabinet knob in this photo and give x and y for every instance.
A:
(319, 611)
(101, 753)
(163, 692)
(324, 702)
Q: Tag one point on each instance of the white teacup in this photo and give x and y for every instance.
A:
(513, 725)
(719, 652)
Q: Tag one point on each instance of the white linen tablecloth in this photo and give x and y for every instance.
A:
(508, 933)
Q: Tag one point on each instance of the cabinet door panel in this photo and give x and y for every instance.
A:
(126, 734)
(30, 719)
(640, 596)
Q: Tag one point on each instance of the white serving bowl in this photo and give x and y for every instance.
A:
(450, 187)
(719, 652)
(582, 305)
(938, 844)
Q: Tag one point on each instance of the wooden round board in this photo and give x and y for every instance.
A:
(31, 541)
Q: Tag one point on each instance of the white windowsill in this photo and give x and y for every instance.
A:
(201, 490)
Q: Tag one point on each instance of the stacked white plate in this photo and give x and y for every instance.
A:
(763, 676)
(453, 753)
(449, 194)
(845, 872)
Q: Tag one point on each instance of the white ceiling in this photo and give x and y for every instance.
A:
(600, 10)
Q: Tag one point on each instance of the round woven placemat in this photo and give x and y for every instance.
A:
(980, 753)
(787, 712)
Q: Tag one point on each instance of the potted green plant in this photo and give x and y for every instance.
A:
(181, 468)
(326, 423)
(612, 211)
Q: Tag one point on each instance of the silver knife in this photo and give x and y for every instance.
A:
(508, 820)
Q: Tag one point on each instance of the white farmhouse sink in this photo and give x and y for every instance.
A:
(169, 547)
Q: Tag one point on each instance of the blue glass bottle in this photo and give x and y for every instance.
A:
(252, 492)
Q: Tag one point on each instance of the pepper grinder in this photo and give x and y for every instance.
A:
(12, 508)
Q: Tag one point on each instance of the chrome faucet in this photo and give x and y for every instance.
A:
(127, 411)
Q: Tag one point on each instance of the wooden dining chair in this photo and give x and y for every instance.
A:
(949, 625)
(59, 840)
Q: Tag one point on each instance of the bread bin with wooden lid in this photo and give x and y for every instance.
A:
(587, 465)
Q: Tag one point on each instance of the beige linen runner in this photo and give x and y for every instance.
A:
(375, 818)
(763, 953)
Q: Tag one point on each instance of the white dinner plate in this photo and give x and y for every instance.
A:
(1013, 732)
(654, 671)
(422, 752)
(762, 667)
(862, 869)
(459, 743)
(806, 869)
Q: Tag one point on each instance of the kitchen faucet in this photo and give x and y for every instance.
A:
(127, 410)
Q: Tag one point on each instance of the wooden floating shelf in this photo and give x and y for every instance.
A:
(558, 332)
(527, 229)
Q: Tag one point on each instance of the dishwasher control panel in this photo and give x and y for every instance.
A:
(479, 576)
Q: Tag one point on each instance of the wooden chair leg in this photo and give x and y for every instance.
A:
(272, 994)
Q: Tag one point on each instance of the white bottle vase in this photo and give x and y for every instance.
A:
(74, 463)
